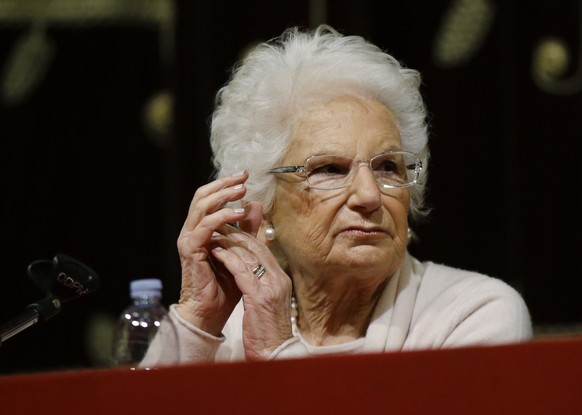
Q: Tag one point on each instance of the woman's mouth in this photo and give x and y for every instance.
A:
(365, 232)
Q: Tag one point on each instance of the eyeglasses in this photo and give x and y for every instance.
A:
(391, 169)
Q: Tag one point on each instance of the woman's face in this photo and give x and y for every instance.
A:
(357, 229)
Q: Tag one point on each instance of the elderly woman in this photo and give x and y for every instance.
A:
(299, 248)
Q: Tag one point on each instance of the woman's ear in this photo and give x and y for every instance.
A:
(253, 220)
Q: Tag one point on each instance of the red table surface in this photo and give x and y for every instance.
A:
(543, 377)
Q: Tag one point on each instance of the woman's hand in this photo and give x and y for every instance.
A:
(209, 292)
(266, 297)
(217, 268)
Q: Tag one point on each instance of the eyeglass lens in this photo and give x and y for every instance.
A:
(334, 171)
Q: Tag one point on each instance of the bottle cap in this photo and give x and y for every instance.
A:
(149, 287)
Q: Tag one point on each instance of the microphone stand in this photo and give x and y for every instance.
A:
(62, 279)
(42, 310)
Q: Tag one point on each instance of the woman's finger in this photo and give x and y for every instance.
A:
(241, 253)
(256, 272)
(233, 261)
(200, 236)
(214, 196)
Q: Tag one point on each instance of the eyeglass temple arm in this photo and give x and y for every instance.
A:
(414, 166)
(287, 169)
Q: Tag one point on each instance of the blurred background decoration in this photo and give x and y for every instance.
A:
(463, 30)
(552, 59)
(33, 51)
(104, 108)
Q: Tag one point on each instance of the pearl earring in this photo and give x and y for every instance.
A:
(270, 233)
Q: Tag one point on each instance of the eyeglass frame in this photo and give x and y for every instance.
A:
(300, 169)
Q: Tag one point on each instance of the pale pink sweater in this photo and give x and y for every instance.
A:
(424, 306)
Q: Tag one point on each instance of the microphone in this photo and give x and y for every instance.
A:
(62, 279)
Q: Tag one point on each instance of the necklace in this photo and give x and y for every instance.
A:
(294, 315)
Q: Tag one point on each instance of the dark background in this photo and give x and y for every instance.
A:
(82, 175)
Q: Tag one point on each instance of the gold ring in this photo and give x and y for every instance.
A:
(259, 270)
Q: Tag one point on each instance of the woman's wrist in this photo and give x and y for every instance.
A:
(199, 319)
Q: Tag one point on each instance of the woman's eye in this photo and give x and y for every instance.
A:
(386, 166)
(330, 170)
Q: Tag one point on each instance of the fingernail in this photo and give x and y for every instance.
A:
(238, 174)
(217, 249)
(238, 186)
(239, 210)
(214, 234)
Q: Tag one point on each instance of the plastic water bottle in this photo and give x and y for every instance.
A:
(138, 325)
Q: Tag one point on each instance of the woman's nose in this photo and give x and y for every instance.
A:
(364, 191)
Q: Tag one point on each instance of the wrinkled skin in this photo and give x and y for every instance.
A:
(342, 246)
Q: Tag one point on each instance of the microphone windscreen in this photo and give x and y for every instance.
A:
(64, 277)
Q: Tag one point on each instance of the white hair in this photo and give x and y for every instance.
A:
(256, 112)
